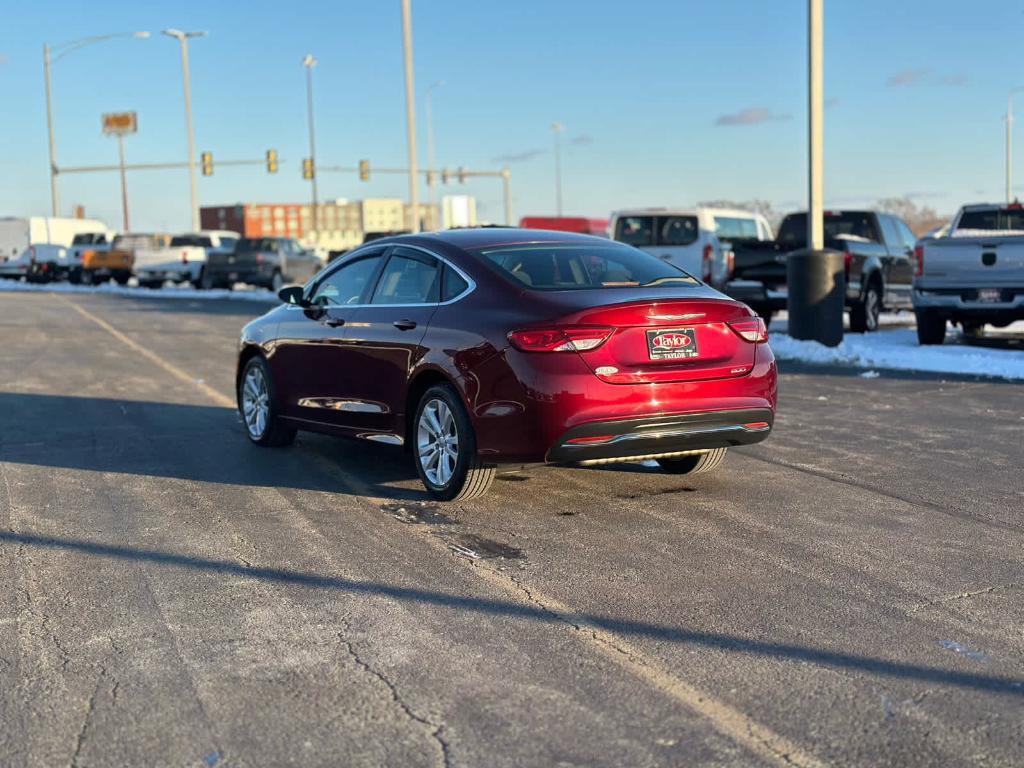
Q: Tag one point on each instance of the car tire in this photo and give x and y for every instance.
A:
(931, 328)
(864, 314)
(444, 448)
(693, 465)
(75, 276)
(972, 329)
(257, 405)
(122, 278)
(276, 281)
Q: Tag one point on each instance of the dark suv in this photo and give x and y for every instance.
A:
(271, 262)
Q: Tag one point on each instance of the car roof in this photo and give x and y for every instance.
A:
(489, 237)
(686, 212)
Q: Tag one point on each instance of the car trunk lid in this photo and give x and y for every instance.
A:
(667, 340)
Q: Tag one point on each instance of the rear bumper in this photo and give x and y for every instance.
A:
(965, 299)
(655, 436)
(175, 271)
(256, 274)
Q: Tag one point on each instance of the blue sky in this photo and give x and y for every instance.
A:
(664, 103)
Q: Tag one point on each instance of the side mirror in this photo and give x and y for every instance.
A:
(293, 294)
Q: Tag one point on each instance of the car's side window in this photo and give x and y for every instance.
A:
(454, 284)
(410, 277)
(346, 285)
(893, 239)
(909, 238)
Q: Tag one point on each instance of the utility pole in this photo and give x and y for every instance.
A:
(557, 128)
(54, 192)
(431, 178)
(816, 125)
(1009, 144)
(183, 38)
(309, 62)
(124, 182)
(506, 183)
(410, 114)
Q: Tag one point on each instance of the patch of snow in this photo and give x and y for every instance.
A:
(898, 349)
(175, 292)
(870, 375)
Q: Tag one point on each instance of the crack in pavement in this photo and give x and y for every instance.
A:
(961, 596)
(436, 730)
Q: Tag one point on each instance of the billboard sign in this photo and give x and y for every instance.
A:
(120, 123)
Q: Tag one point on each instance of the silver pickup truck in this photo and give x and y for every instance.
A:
(973, 275)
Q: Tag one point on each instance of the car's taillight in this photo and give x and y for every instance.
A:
(750, 329)
(565, 339)
(731, 264)
(705, 262)
(32, 254)
(847, 261)
(184, 257)
(259, 258)
(918, 261)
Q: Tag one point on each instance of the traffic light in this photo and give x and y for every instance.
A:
(307, 168)
(446, 176)
(462, 175)
(271, 161)
(207, 163)
(364, 170)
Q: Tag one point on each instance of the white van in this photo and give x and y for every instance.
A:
(39, 239)
(694, 239)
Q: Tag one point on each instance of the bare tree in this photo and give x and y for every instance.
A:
(920, 219)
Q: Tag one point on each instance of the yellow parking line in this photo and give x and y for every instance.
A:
(154, 358)
(728, 720)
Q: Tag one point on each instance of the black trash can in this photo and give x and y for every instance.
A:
(816, 281)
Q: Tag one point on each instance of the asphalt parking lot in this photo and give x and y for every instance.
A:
(847, 593)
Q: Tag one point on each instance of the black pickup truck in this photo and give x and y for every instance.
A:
(878, 248)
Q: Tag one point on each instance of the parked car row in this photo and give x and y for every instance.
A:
(205, 259)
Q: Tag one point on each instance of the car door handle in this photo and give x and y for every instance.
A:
(404, 325)
(334, 322)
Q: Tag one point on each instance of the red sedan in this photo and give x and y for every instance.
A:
(475, 348)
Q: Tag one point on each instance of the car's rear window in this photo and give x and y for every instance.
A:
(256, 244)
(657, 230)
(570, 266)
(993, 219)
(199, 241)
(857, 224)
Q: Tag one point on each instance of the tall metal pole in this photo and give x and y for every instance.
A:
(557, 128)
(182, 38)
(506, 184)
(309, 62)
(816, 123)
(54, 192)
(1009, 148)
(124, 181)
(431, 179)
(410, 114)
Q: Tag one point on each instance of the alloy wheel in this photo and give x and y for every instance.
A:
(437, 442)
(255, 402)
(872, 309)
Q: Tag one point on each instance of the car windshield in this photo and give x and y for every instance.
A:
(256, 244)
(571, 266)
(1011, 219)
(850, 224)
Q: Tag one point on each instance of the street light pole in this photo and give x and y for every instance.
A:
(309, 62)
(1009, 144)
(558, 128)
(410, 114)
(124, 181)
(816, 125)
(431, 179)
(48, 60)
(183, 38)
(506, 184)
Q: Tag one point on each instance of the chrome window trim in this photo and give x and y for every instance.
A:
(388, 248)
